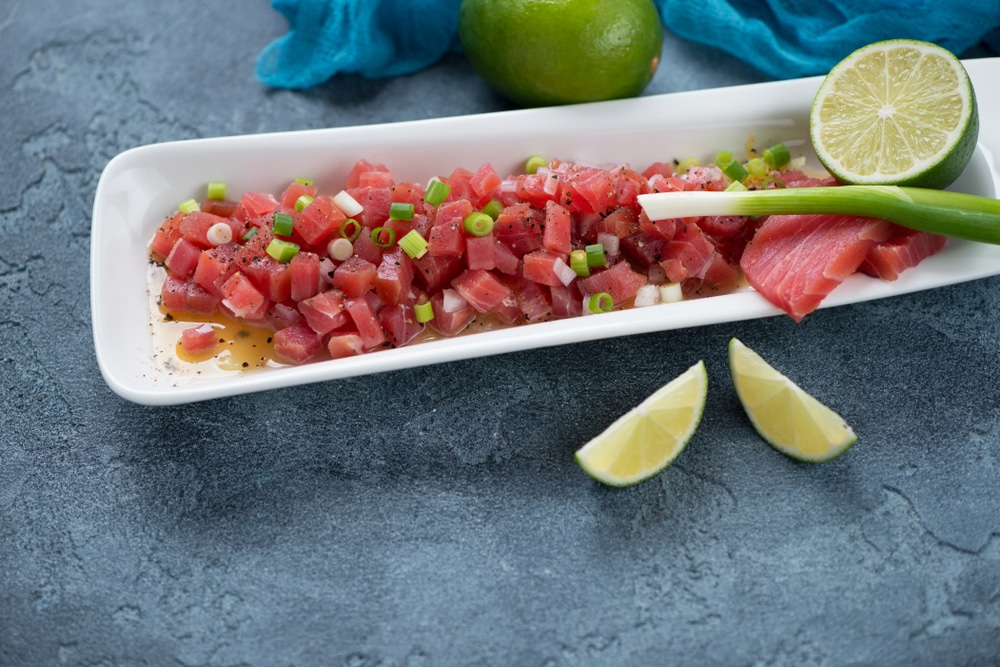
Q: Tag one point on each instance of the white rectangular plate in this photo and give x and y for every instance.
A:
(141, 186)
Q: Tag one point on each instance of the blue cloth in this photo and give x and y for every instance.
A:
(782, 38)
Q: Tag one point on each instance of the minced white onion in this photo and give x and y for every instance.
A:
(219, 233)
(671, 293)
(609, 241)
(648, 295)
(452, 301)
(563, 272)
(348, 204)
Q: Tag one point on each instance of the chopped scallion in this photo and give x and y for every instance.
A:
(493, 208)
(250, 233)
(424, 311)
(756, 167)
(348, 204)
(302, 202)
(777, 156)
(400, 211)
(723, 158)
(304, 181)
(413, 244)
(281, 250)
(595, 255)
(534, 163)
(736, 186)
(602, 302)
(437, 191)
(339, 249)
(735, 171)
(283, 224)
(384, 237)
(217, 190)
(350, 229)
(478, 223)
(219, 233)
(684, 165)
(188, 206)
(578, 262)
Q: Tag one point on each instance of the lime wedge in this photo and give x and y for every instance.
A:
(898, 112)
(789, 419)
(650, 436)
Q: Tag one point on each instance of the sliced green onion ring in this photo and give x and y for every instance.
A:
(281, 250)
(735, 171)
(390, 236)
(400, 211)
(595, 255)
(302, 202)
(602, 302)
(493, 208)
(424, 311)
(578, 262)
(437, 191)
(304, 181)
(350, 229)
(217, 190)
(413, 244)
(534, 163)
(777, 156)
(478, 223)
(188, 206)
(250, 233)
(283, 224)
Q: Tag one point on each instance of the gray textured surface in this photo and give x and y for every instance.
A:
(283, 529)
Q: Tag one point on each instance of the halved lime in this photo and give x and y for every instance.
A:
(650, 436)
(898, 112)
(789, 419)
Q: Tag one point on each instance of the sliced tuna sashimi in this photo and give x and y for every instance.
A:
(795, 261)
(886, 260)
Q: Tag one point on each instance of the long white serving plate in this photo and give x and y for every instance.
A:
(140, 187)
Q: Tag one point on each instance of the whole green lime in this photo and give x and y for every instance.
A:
(549, 52)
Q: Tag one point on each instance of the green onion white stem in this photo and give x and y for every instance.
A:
(937, 211)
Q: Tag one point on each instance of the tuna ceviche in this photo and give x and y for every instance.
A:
(382, 263)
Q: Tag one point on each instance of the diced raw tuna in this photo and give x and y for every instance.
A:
(241, 297)
(304, 269)
(325, 311)
(367, 323)
(620, 281)
(481, 252)
(345, 345)
(399, 323)
(296, 344)
(481, 289)
(355, 276)
(452, 313)
(795, 261)
(394, 277)
(199, 339)
(183, 257)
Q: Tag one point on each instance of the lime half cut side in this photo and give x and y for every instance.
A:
(898, 112)
(785, 416)
(650, 436)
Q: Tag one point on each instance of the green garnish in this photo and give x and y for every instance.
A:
(413, 244)
(281, 250)
(478, 223)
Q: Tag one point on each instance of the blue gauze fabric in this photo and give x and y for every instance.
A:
(782, 38)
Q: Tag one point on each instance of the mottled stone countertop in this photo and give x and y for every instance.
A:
(452, 527)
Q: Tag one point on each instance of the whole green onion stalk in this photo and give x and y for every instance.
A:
(942, 212)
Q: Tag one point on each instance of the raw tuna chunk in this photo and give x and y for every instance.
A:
(886, 260)
(797, 260)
